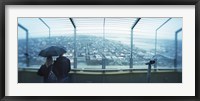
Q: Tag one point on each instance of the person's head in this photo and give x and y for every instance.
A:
(49, 60)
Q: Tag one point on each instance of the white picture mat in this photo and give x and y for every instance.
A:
(186, 88)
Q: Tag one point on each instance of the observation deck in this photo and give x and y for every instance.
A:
(104, 50)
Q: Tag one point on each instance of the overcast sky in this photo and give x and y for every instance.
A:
(115, 28)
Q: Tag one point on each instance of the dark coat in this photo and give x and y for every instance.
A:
(62, 67)
(44, 71)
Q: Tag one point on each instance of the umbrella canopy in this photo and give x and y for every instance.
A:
(52, 51)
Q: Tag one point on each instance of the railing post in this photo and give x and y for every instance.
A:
(176, 46)
(103, 57)
(27, 48)
(131, 58)
(75, 48)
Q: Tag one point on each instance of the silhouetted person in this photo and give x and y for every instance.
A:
(47, 70)
(62, 68)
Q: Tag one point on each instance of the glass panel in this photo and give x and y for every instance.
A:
(89, 42)
(21, 48)
(165, 52)
(35, 46)
(144, 41)
(166, 44)
(40, 38)
(37, 40)
(62, 35)
(117, 42)
(143, 48)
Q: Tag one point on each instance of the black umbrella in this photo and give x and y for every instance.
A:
(52, 51)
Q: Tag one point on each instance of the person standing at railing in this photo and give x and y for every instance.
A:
(47, 70)
(62, 68)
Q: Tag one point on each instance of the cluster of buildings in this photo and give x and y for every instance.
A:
(91, 50)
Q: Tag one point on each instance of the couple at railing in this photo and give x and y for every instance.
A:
(54, 71)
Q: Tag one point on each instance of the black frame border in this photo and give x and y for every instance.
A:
(3, 3)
